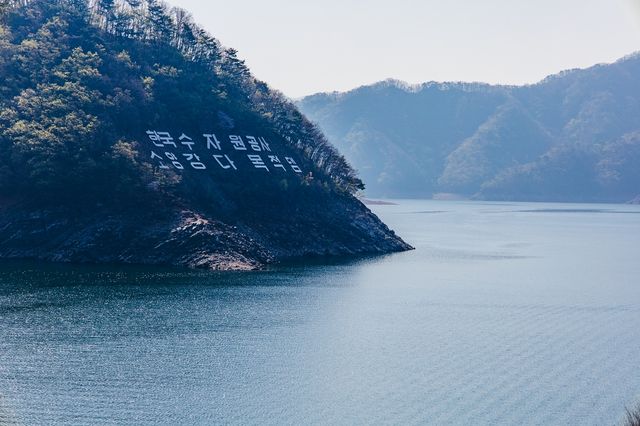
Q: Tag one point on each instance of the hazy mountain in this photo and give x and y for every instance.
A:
(128, 134)
(574, 136)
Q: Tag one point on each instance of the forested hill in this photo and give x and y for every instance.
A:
(127, 133)
(574, 136)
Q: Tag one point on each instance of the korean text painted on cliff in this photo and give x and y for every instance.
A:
(230, 153)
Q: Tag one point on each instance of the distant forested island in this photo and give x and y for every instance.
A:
(574, 136)
(129, 134)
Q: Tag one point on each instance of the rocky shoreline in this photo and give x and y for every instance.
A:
(184, 238)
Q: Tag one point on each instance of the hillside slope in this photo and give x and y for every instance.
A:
(128, 134)
(574, 136)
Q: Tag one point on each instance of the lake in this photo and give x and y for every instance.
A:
(506, 313)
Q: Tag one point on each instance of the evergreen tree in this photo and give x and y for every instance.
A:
(160, 26)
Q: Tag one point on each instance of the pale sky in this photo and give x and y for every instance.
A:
(302, 47)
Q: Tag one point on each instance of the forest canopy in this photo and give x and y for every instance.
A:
(82, 79)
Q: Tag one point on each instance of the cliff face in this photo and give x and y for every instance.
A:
(128, 134)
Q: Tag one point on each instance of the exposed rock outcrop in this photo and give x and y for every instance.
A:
(187, 238)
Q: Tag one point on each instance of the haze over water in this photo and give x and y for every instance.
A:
(507, 313)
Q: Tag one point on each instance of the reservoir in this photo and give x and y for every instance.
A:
(506, 313)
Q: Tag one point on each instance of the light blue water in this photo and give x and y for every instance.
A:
(505, 314)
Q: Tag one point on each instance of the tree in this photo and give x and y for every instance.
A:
(207, 48)
(37, 56)
(106, 14)
(160, 26)
(4, 9)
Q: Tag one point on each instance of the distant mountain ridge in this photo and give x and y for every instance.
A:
(574, 136)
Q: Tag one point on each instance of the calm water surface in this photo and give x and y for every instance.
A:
(505, 314)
